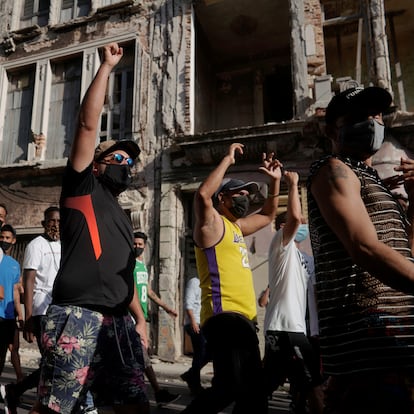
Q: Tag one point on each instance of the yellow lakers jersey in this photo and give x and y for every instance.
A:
(225, 277)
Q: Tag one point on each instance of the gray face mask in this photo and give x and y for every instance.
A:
(240, 206)
(365, 138)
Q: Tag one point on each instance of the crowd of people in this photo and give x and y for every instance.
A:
(337, 325)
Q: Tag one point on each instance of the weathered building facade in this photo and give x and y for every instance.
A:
(195, 76)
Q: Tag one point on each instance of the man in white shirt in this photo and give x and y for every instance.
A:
(288, 353)
(192, 308)
(40, 266)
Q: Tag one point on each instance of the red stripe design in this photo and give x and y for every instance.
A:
(84, 205)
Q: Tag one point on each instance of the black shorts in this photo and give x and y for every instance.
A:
(7, 330)
(290, 355)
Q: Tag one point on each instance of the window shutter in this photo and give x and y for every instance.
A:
(28, 8)
(67, 4)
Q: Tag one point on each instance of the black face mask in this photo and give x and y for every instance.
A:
(5, 245)
(365, 138)
(138, 251)
(240, 206)
(116, 177)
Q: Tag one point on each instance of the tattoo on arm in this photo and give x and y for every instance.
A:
(337, 172)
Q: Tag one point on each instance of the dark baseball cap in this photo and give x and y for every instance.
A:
(231, 184)
(106, 147)
(372, 100)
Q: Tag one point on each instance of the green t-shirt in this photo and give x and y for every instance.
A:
(141, 281)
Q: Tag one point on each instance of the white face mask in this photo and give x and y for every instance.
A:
(364, 138)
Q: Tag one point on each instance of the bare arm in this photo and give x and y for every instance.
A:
(294, 211)
(250, 224)
(17, 302)
(264, 298)
(407, 177)
(155, 298)
(29, 276)
(83, 146)
(136, 311)
(194, 325)
(337, 192)
(208, 226)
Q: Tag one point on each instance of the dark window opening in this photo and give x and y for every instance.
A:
(277, 96)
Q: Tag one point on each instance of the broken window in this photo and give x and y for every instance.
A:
(64, 106)
(116, 121)
(72, 9)
(17, 126)
(35, 12)
(242, 64)
(345, 49)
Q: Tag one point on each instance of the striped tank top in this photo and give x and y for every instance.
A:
(225, 277)
(364, 325)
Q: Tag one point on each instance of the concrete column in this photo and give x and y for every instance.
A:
(381, 71)
(298, 58)
(171, 229)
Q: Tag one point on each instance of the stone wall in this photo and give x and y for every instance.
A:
(313, 17)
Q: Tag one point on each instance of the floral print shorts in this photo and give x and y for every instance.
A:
(85, 351)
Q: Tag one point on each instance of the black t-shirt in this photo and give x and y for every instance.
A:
(98, 260)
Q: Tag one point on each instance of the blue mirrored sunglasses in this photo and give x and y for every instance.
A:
(119, 158)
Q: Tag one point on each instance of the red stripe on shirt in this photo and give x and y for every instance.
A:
(84, 205)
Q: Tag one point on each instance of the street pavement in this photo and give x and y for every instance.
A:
(168, 375)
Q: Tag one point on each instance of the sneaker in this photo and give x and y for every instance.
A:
(164, 397)
(10, 398)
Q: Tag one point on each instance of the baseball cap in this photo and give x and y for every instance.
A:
(106, 147)
(355, 100)
(231, 184)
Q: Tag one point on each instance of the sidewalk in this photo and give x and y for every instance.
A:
(171, 371)
(168, 375)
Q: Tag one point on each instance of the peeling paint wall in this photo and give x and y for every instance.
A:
(162, 31)
(381, 75)
(313, 18)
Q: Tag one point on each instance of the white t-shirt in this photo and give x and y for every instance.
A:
(43, 256)
(288, 281)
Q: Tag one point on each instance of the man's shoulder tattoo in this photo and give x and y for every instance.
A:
(337, 171)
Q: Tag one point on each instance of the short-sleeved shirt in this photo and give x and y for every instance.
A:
(9, 276)
(226, 279)
(97, 246)
(141, 282)
(43, 256)
(288, 282)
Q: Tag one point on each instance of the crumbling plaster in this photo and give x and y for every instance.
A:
(162, 126)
